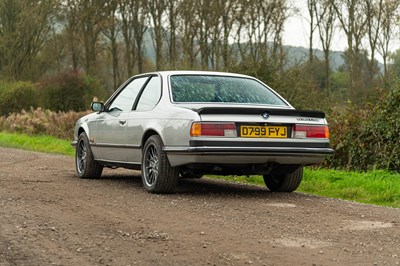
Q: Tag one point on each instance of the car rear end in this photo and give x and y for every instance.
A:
(234, 135)
(243, 121)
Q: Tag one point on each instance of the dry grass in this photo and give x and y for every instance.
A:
(41, 122)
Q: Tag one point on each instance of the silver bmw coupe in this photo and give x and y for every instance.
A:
(185, 124)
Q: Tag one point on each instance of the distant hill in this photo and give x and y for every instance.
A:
(298, 55)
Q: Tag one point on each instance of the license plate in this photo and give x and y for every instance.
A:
(263, 131)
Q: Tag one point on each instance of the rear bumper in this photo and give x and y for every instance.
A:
(247, 155)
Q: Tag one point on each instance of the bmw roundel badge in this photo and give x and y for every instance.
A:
(265, 115)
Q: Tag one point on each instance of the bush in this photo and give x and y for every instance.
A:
(42, 122)
(17, 96)
(367, 137)
(70, 91)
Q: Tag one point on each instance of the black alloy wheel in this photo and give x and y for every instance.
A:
(86, 166)
(158, 176)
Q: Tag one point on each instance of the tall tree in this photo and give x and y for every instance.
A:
(156, 9)
(229, 14)
(391, 13)
(281, 12)
(188, 30)
(215, 20)
(127, 12)
(69, 13)
(172, 12)
(134, 24)
(140, 27)
(92, 18)
(24, 28)
(325, 16)
(311, 6)
(259, 24)
(353, 22)
(203, 11)
(111, 31)
(374, 12)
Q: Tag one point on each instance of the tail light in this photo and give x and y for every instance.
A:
(310, 131)
(213, 129)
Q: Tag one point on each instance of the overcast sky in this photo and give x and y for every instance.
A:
(297, 32)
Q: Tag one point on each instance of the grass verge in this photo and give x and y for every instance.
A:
(374, 187)
(377, 187)
(36, 143)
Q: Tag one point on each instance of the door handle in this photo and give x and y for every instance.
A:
(122, 122)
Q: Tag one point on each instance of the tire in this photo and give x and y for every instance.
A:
(86, 166)
(284, 182)
(158, 176)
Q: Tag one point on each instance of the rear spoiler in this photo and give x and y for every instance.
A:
(255, 111)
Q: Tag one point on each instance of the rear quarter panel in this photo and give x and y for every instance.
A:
(171, 123)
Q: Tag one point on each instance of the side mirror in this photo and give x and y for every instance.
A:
(97, 107)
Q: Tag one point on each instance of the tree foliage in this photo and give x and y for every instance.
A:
(116, 39)
(70, 91)
(24, 29)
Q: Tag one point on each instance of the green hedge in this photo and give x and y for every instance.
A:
(17, 96)
(367, 137)
(69, 91)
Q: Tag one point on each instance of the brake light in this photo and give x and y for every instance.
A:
(213, 129)
(310, 131)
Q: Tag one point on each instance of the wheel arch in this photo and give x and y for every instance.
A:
(83, 128)
(80, 130)
(147, 135)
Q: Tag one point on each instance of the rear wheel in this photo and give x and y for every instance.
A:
(86, 166)
(158, 176)
(284, 181)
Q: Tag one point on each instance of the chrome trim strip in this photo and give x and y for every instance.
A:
(258, 144)
(120, 146)
(250, 150)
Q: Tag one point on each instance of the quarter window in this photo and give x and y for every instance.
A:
(126, 98)
(151, 95)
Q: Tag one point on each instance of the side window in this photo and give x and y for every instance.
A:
(150, 95)
(125, 99)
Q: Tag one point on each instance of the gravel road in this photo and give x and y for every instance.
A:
(50, 217)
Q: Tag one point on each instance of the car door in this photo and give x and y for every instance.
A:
(111, 124)
(142, 116)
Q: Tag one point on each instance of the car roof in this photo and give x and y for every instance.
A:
(197, 72)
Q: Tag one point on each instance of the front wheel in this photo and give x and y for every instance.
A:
(158, 176)
(86, 166)
(284, 181)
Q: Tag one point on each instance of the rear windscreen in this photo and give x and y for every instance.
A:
(221, 89)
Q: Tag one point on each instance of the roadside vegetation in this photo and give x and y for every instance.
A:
(40, 143)
(377, 187)
(365, 137)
